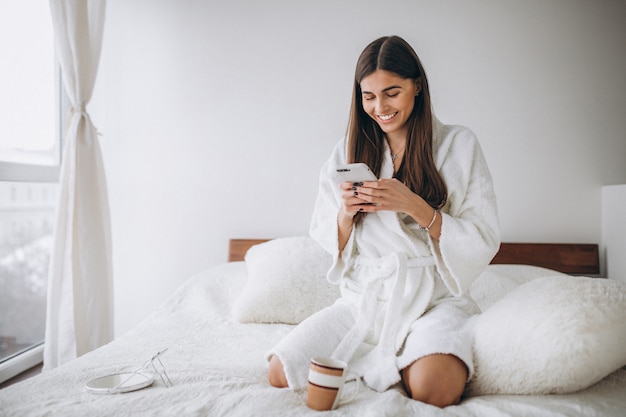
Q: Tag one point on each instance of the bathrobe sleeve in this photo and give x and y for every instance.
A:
(324, 229)
(470, 231)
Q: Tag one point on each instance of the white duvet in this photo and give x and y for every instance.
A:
(218, 369)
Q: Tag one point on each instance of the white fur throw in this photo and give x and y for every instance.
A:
(286, 282)
(556, 334)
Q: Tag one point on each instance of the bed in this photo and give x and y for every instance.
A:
(215, 354)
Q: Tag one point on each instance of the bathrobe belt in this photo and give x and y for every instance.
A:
(367, 308)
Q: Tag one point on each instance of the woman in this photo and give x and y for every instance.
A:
(406, 248)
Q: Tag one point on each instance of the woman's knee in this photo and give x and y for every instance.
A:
(276, 373)
(437, 380)
(437, 395)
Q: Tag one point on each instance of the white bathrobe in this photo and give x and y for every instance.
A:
(390, 271)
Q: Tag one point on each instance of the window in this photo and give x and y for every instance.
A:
(30, 149)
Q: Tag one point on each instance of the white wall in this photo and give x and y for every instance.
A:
(217, 115)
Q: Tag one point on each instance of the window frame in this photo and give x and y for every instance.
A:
(14, 172)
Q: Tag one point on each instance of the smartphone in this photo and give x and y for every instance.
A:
(358, 172)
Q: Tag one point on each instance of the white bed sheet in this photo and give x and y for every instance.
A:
(217, 367)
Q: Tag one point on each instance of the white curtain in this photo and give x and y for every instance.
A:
(80, 283)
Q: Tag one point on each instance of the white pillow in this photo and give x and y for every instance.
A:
(286, 282)
(500, 279)
(556, 334)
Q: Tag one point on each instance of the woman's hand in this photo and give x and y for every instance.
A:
(351, 202)
(350, 206)
(389, 194)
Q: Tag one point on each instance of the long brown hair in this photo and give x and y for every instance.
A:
(365, 137)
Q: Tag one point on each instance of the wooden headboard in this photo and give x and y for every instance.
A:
(237, 248)
(570, 258)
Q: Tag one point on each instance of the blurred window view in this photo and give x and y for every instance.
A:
(27, 215)
(30, 144)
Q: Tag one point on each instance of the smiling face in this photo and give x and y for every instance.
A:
(389, 100)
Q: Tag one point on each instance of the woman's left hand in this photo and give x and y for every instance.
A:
(392, 195)
(388, 194)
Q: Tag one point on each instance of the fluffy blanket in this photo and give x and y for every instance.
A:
(217, 367)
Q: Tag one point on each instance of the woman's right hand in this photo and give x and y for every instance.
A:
(351, 203)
